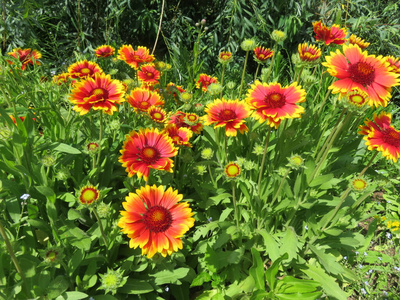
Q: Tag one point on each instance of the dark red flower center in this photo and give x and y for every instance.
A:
(100, 93)
(391, 137)
(144, 104)
(150, 75)
(149, 155)
(227, 115)
(275, 100)
(362, 73)
(157, 219)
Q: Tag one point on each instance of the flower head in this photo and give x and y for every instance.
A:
(61, 78)
(52, 255)
(357, 69)
(273, 103)
(355, 40)
(278, 36)
(190, 120)
(248, 44)
(148, 74)
(207, 153)
(394, 63)
(99, 93)
(204, 81)
(232, 170)
(92, 148)
(83, 69)
(104, 51)
(135, 57)
(142, 99)
(180, 136)
(229, 114)
(147, 149)
(329, 35)
(358, 184)
(261, 54)
(112, 280)
(309, 52)
(25, 56)
(88, 194)
(225, 57)
(157, 114)
(155, 220)
(380, 135)
(296, 161)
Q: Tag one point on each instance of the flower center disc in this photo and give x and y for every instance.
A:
(149, 155)
(274, 100)
(232, 170)
(357, 99)
(150, 75)
(85, 71)
(362, 73)
(227, 114)
(88, 196)
(176, 138)
(157, 219)
(157, 116)
(359, 184)
(144, 104)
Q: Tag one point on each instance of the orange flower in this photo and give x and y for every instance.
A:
(142, 99)
(225, 57)
(98, 93)
(180, 136)
(61, 78)
(232, 170)
(261, 54)
(357, 69)
(229, 114)
(157, 114)
(83, 69)
(145, 150)
(192, 121)
(273, 103)
(104, 51)
(173, 89)
(355, 40)
(380, 135)
(309, 52)
(328, 35)
(135, 57)
(394, 63)
(356, 98)
(25, 56)
(204, 81)
(88, 194)
(155, 220)
(149, 74)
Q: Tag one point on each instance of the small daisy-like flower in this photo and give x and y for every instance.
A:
(261, 54)
(229, 114)
(98, 93)
(225, 57)
(157, 114)
(92, 148)
(149, 74)
(112, 280)
(185, 96)
(204, 81)
(248, 44)
(155, 219)
(83, 69)
(329, 35)
(357, 69)
(296, 161)
(180, 136)
(308, 52)
(355, 99)
(25, 56)
(61, 78)
(273, 103)
(147, 149)
(190, 120)
(380, 135)
(207, 153)
(52, 255)
(355, 40)
(104, 51)
(358, 184)
(393, 225)
(394, 64)
(232, 170)
(88, 194)
(160, 65)
(142, 99)
(278, 36)
(135, 57)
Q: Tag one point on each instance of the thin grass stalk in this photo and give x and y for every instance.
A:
(243, 73)
(159, 26)
(263, 161)
(256, 74)
(222, 78)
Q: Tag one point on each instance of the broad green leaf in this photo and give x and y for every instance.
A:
(327, 260)
(295, 296)
(271, 272)
(57, 287)
(170, 276)
(48, 192)
(257, 271)
(289, 243)
(322, 179)
(135, 287)
(61, 147)
(270, 243)
(200, 279)
(72, 296)
(225, 213)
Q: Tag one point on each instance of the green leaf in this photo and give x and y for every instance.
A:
(322, 179)
(257, 271)
(47, 192)
(72, 296)
(170, 276)
(57, 287)
(295, 296)
(271, 272)
(135, 287)
(61, 147)
(225, 213)
(270, 243)
(328, 261)
(289, 243)
(200, 279)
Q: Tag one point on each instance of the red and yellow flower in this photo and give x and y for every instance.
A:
(232, 170)
(142, 99)
(61, 78)
(180, 136)
(355, 40)
(329, 35)
(148, 74)
(155, 219)
(272, 103)
(225, 57)
(188, 120)
(83, 69)
(135, 57)
(356, 98)
(88, 194)
(229, 114)
(356, 69)
(157, 114)
(309, 52)
(380, 135)
(204, 81)
(147, 149)
(99, 93)
(394, 63)
(25, 56)
(261, 54)
(104, 51)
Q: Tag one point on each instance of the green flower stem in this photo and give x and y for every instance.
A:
(255, 75)
(13, 257)
(300, 72)
(100, 138)
(243, 73)
(272, 63)
(234, 203)
(211, 176)
(323, 103)
(101, 227)
(280, 187)
(263, 161)
(222, 78)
